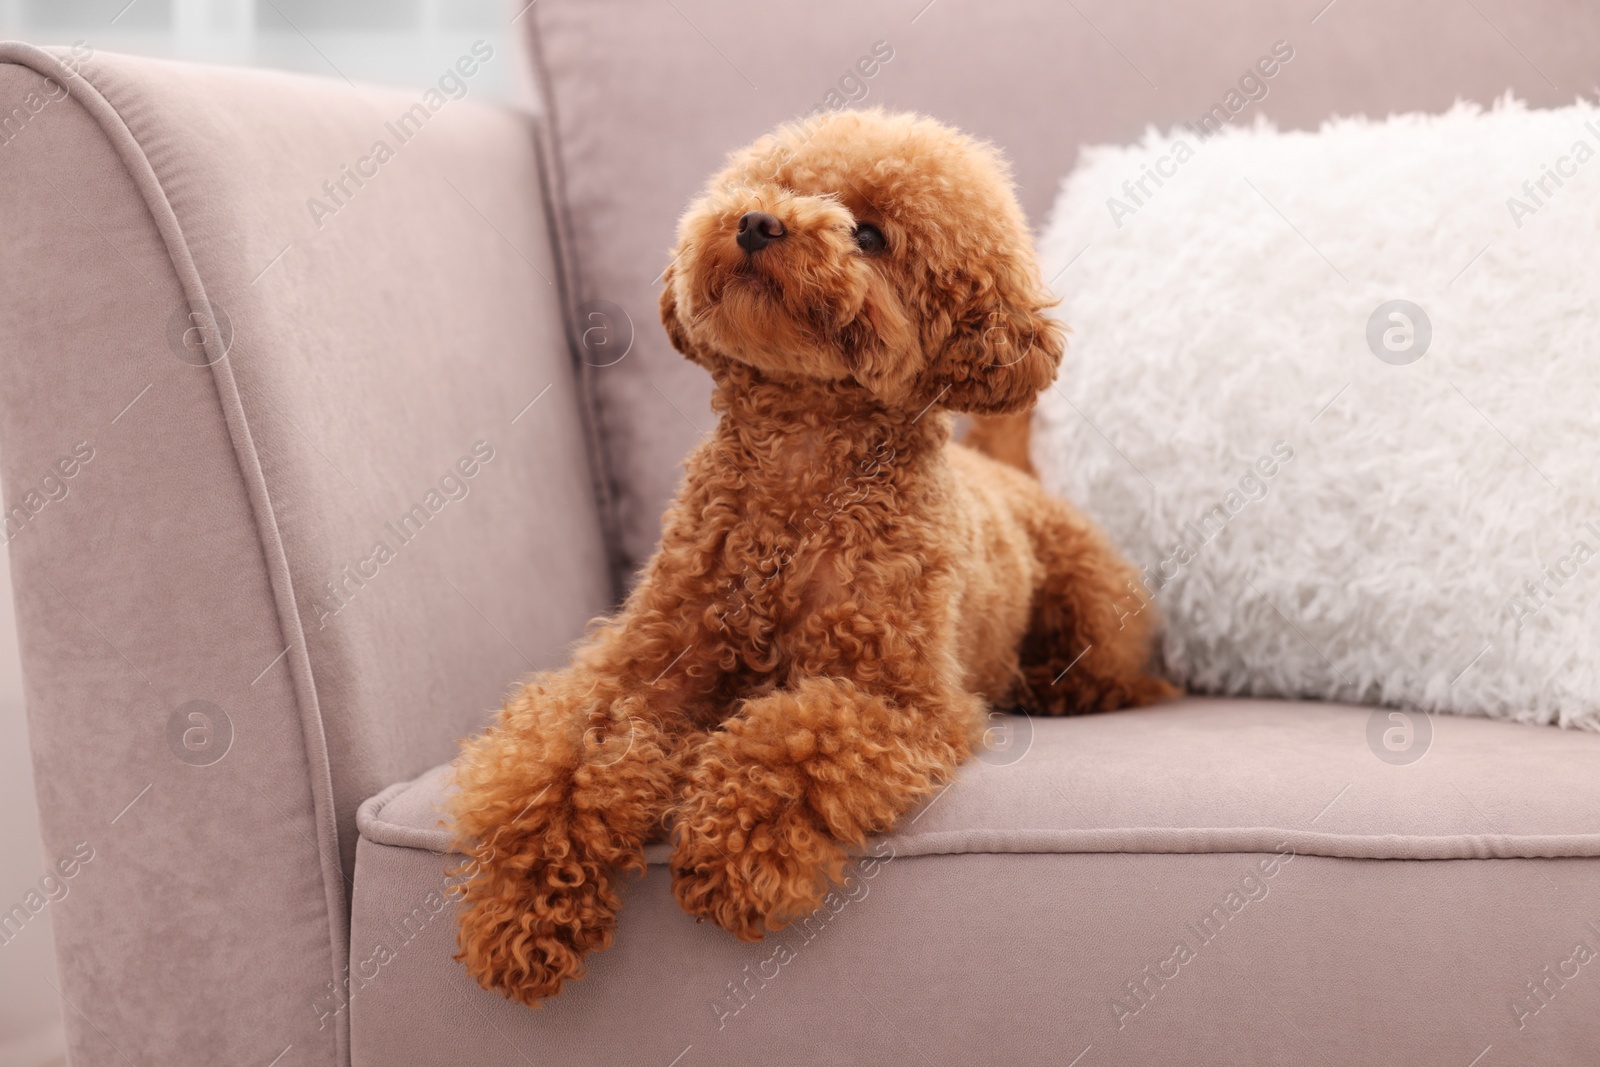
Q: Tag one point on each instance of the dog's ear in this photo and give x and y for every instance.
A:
(677, 330)
(1001, 349)
(882, 345)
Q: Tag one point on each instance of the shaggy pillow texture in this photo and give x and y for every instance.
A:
(1338, 393)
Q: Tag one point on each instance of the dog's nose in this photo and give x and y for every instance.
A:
(757, 230)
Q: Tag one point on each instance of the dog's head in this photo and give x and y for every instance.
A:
(877, 251)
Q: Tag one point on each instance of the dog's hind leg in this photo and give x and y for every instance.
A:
(775, 796)
(1091, 622)
(1003, 438)
(556, 800)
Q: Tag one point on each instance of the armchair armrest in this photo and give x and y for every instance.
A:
(295, 483)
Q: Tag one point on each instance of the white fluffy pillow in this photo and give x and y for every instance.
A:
(1320, 515)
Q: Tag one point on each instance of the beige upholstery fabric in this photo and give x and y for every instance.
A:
(1015, 960)
(1007, 921)
(646, 98)
(187, 557)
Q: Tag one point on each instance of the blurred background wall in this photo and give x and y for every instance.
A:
(405, 43)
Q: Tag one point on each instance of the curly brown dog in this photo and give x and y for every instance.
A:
(840, 590)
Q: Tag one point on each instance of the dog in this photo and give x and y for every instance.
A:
(840, 592)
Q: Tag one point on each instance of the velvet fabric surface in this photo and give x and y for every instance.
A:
(203, 497)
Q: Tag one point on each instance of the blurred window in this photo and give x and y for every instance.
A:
(406, 43)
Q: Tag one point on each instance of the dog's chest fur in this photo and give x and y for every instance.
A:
(805, 522)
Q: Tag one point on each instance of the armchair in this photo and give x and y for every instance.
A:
(341, 469)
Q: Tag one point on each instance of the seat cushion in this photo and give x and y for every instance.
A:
(1130, 887)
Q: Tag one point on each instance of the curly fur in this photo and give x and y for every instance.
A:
(839, 591)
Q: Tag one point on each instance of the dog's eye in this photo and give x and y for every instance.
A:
(870, 239)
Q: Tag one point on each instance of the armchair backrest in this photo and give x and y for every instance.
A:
(646, 99)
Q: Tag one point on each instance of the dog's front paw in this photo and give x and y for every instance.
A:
(523, 932)
(753, 891)
(747, 870)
